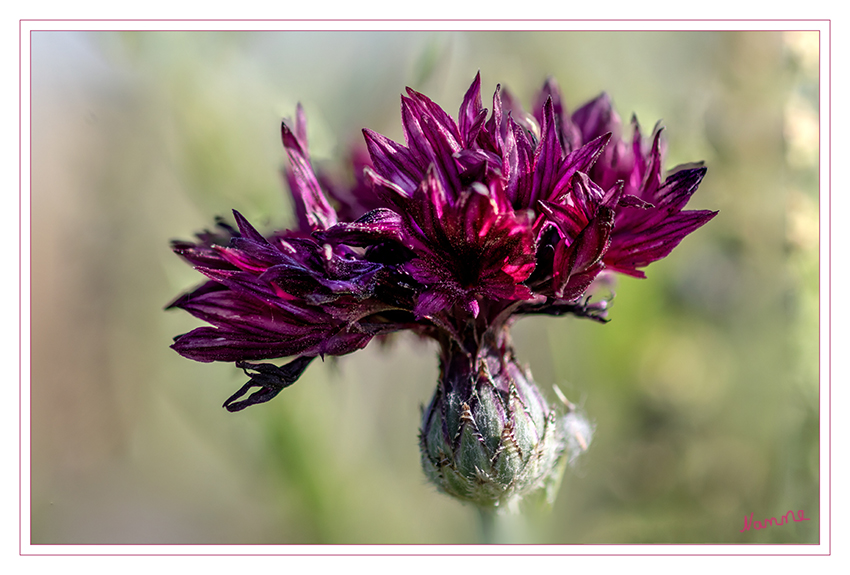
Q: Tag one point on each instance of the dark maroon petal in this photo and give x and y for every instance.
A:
(247, 230)
(678, 188)
(584, 254)
(416, 142)
(393, 161)
(503, 285)
(344, 342)
(596, 118)
(569, 135)
(634, 220)
(442, 155)
(230, 310)
(432, 302)
(200, 255)
(247, 285)
(354, 278)
(208, 344)
(652, 179)
(628, 201)
(580, 160)
(512, 107)
(308, 195)
(550, 92)
(579, 283)
(427, 207)
(478, 166)
(568, 218)
(250, 256)
(301, 129)
(378, 225)
(247, 295)
(471, 114)
(573, 212)
(388, 191)
(475, 218)
(631, 251)
(490, 138)
(204, 288)
(430, 110)
(592, 243)
(547, 159)
(521, 181)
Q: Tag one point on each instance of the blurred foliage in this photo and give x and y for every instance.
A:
(703, 389)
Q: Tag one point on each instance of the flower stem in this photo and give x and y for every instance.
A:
(488, 525)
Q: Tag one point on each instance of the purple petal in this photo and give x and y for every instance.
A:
(430, 110)
(580, 160)
(678, 188)
(309, 198)
(208, 344)
(631, 251)
(380, 224)
(521, 182)
(393, 161)
(443, 155)
(471, 114)
(547, 158)
(596, 118)
(432, 302)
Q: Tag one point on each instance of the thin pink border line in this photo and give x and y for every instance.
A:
(483, 554)
(829, 302)
(424, 20)
(21, 289)
(829, 283)
(378, 30)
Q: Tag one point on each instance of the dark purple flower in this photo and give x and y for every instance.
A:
(467, 225)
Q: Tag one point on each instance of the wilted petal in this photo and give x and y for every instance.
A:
(271, 380)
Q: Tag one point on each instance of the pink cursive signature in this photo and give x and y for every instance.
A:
(748, 521)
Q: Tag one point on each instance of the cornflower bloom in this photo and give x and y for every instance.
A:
(469, 225)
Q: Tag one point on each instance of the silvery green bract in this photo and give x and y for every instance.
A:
(488, 436)
(469, 225)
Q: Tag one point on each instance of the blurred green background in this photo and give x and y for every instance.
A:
(703, 389)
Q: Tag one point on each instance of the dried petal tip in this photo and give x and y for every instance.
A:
(270, 378)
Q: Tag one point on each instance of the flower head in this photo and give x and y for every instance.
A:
(467, 225)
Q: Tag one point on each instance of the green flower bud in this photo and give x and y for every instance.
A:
(489, 437)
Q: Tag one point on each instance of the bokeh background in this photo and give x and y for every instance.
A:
(703, 389)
